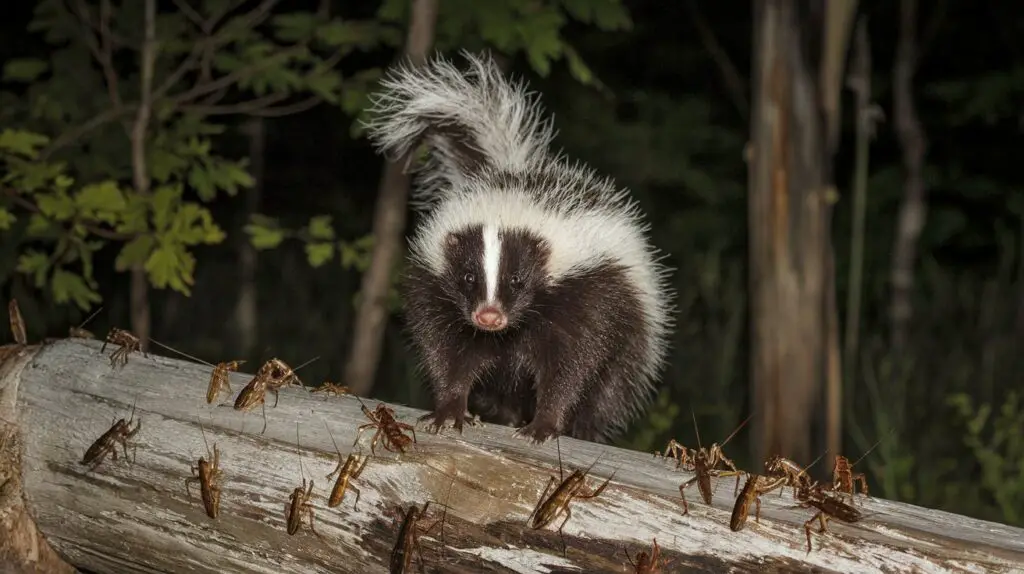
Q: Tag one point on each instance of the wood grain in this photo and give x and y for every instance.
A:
(137, 517)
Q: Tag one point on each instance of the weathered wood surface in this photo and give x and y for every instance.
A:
(137, 518)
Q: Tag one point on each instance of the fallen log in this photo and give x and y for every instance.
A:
(137, 517)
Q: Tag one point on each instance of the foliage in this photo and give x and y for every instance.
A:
(213, 62)
(507, 26)
(513, 26)
(999, 451)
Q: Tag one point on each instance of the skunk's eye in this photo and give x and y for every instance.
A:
(469, 278)
(515, 281)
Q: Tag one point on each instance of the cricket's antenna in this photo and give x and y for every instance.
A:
(182, 353)
(302, 473)
(695, 429)
(91, 317)
(742, 424)
(558, 446)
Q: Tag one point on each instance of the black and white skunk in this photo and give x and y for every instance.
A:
(532, 292)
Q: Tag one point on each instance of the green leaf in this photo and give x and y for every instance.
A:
(193, 224)
(25, 70)
(577, 67)
(56, 205)
(22, 142)
(35, 263)
(264, 232)
(294, 27)
(39, 225)
(102, 201)
(325, 85)
(170, 265)
(320, 227)
(135, 252)
(68, 286)
(164, 204)
(7, 219)
(319, 253)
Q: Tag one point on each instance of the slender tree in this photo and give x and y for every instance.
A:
(799, 56)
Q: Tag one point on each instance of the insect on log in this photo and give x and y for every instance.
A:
(62, 396)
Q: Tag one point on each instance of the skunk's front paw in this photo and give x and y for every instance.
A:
(538, 431)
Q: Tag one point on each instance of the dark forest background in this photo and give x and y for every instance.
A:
(236, 221)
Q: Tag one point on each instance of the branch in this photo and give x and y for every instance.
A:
(262, 107)
(735, 86)
(72, 135)
(233, 77)
(190, 13)
(488, 479)
(202, 52)
(140, 175)
(101, 50)
(31, 207)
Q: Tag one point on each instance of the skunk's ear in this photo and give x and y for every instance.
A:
(469, 120)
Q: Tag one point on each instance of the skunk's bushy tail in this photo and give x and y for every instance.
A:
(471, 121)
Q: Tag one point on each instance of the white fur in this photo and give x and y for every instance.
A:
(586, 220)
(492, 261)
(505, 121)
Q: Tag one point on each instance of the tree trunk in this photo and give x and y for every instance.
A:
(913, 208)
(246, 313)
(794, 133)
(388, 228)
(138, 517)
(140, 307)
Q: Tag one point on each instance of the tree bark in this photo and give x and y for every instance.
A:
(794, 333)
(913, 207)
(138, 518)
(140, 307)
(23, 548)
(246, 313)
(388, 227)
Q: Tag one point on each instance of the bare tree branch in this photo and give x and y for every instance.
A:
(190, 13)
(735, 86)
(913, 207)
(74, 134)
(202, 53)
(140, 173)
(101, 48)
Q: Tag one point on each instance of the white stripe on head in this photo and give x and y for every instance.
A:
(492, 259)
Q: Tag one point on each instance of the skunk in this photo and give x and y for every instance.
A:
(531, 292)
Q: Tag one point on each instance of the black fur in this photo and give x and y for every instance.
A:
(568, 362)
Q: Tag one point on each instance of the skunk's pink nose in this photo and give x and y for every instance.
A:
(490, 319)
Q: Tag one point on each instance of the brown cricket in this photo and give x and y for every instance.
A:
(80, 332)
(828, 507)
(299, 504)
(273, 375)
(409, 536)
(383, 419)
(647, 563)
(347, 471)
(17, 322)
(675, 449)
(128, 342)
(844, 479)
(796, 476)
(219, 379)
(753, 488)
(118, 433)
(207, 474)
(574, 486)
(329, 388)
(704, 462)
